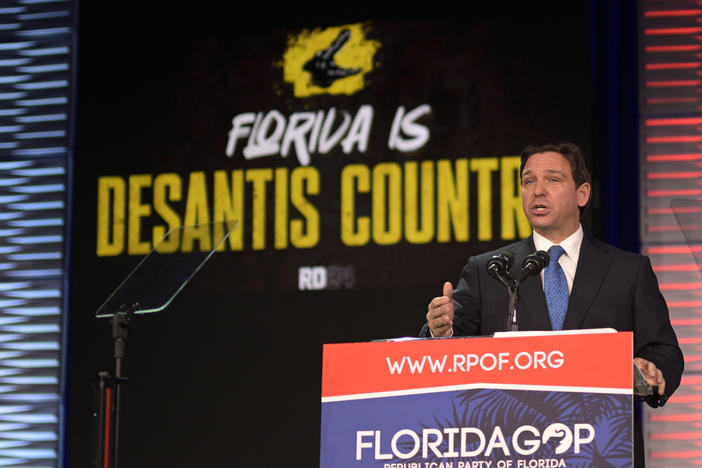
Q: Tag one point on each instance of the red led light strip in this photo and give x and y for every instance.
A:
(673, 83)
(672, 100)
(663, 13)
(673, 66)
(674, 139)
(671, 168)
(672, 48)
(674, 175)
(674, 121)
(672, 31)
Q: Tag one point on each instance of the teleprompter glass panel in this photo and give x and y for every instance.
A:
(165, 271)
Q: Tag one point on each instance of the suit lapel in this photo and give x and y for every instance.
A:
(532, 313)
(593, 264)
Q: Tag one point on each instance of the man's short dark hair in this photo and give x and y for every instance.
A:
(572, 153)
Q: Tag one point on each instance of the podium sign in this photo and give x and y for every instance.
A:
(521, 401)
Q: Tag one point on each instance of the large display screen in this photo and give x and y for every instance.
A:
(365, 158)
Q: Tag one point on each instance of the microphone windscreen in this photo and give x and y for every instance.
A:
(545, 257)
(498, 266)
(501, 261)
(534, 263)
(508, 256)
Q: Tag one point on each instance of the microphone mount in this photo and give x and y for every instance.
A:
(498, 268)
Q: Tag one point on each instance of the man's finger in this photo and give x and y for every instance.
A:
(448, 289)
(438, 302)
(434, 313)
(652, 370)
(440, 325)
(441, 330)
(661, 387)
(441, 322)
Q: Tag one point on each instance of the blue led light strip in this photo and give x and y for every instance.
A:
(36, 47)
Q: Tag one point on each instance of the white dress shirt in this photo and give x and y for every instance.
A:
(569, 260)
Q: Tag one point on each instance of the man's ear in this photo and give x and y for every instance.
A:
(583, 194)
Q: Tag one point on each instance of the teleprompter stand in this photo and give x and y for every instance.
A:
(149, 288)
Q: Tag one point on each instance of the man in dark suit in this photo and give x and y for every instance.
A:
(606, 287)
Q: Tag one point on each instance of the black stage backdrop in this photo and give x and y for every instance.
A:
(366, 155)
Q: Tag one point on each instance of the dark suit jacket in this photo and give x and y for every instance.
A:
(612, 288)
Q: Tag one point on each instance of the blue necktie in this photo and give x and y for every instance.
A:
(556, 288)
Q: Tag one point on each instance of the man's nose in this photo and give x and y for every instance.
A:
(539, 188)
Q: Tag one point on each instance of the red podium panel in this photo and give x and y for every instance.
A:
(525, 400)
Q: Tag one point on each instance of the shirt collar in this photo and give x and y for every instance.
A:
(570, 244)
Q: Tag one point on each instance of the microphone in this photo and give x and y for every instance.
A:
(498, 266)
(534, 263)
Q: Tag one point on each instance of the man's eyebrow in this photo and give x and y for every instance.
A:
(556, 171)
(550, 171)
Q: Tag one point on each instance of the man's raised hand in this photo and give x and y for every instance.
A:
(440, 313)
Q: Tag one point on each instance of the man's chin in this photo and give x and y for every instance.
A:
(541, 222)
